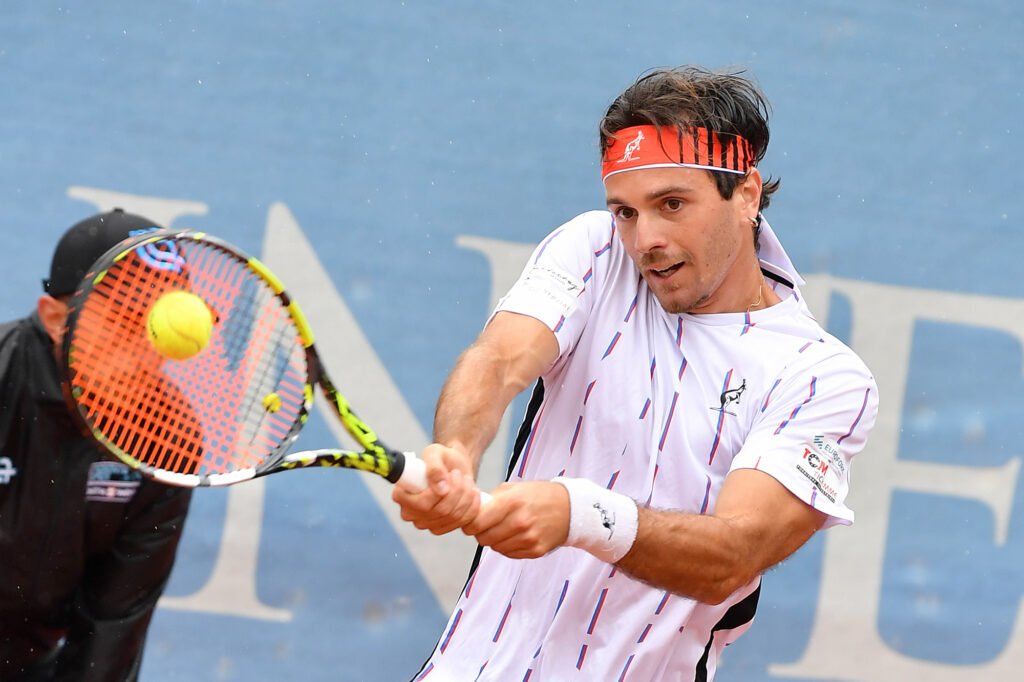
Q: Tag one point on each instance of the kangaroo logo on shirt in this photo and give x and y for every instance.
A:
(729, 397)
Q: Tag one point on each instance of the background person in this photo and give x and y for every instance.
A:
(86, 544)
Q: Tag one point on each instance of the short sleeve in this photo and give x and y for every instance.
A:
(556, 286)
(809, 428)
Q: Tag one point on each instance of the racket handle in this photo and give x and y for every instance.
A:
(415, 472)
(415, 475)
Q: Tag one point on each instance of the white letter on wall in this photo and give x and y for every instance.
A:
(845, 643)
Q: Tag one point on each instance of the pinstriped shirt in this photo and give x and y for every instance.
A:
(659, 407)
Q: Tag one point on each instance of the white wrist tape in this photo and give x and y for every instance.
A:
(601, 521)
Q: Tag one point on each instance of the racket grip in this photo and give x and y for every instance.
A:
(415, 475)
(415, 472)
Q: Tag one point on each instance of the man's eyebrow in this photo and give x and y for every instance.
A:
(655, 194)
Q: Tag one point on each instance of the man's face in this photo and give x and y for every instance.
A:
(692, 247)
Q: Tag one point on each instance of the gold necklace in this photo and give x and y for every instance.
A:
(760, 294)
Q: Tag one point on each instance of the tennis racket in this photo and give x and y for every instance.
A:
(230, 412)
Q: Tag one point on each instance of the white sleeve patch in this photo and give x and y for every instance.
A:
(824, 467)
(558, 287)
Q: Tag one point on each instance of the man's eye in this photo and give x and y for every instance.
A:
(625, 213)
(673, 204)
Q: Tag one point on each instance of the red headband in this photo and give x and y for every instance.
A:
(645, 147)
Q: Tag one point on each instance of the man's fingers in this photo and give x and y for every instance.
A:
(450, 500)
(523, 520)
(437, 477)
(440, 514)
(486, 516)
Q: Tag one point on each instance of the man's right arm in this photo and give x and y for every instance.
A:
(509, 355)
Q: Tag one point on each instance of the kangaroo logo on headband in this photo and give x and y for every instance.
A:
(695, 147)
(632, 147)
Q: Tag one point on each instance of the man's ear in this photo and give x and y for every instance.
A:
(750, 192)
(54, 315)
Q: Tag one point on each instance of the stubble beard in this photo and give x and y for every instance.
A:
(675, 306)
(678, 300)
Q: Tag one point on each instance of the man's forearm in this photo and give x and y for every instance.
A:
(472, 402)
(695, 555)
(509, 355)
(756, 524)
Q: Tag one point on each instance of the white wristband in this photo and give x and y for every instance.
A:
(601, 521)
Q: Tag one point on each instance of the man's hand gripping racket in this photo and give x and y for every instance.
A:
(232, 406)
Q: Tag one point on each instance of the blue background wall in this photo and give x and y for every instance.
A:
(392, 129)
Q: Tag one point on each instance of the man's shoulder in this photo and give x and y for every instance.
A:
(12, 329)
(598, 225)
(585, 246)
(9, 335)
(819, 351)
(596, 218)
(8, 328)
(21, 336)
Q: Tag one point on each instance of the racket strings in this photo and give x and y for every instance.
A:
(125, 393)
(227, 408)
(267, 382)
(247, 431)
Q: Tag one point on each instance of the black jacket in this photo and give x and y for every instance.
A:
(86, 545)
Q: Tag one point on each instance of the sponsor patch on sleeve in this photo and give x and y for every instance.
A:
(829, 450)
(561, 288)
(823, 465)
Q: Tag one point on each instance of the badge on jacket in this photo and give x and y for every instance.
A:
(111, 482)
(7, 470)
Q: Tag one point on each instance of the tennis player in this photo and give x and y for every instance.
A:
(693, 425)
(86, 545)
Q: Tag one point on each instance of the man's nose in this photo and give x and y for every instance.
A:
(650, 233)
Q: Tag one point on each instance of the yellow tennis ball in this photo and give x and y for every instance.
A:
(272, 402)
(179, 325)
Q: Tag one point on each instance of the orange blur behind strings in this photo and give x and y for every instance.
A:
(203, 415)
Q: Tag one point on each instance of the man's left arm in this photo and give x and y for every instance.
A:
(789, 479)
(756, 524)
(119, 593)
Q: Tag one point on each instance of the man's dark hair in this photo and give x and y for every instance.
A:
(688, 97)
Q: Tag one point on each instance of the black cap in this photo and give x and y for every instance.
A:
(84, 243)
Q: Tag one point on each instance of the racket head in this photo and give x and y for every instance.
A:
(224, 415)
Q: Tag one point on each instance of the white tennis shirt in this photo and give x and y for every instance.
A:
(659, 407)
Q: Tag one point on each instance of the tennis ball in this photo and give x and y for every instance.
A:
(179, 325)
(272, 402)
